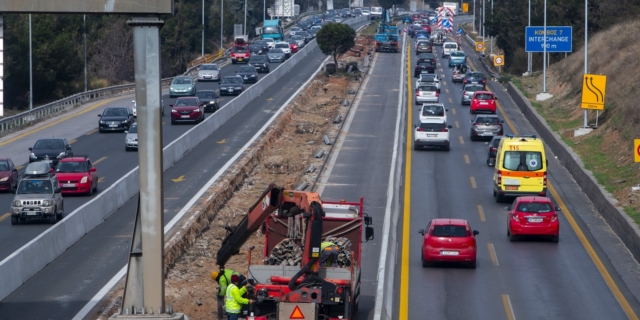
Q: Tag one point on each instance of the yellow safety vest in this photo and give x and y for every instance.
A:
(234, 299)
(326, 244)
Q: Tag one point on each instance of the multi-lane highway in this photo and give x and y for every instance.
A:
(63, 287)
(523, 280)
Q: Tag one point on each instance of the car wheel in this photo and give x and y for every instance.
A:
(100, 130)
(447, 148)
(512, 237)
(96, 188)
(126, 148)
(555, 238)
(173, 122)
(14, 220)
(54, 217)
(472, 138)
(473, 264)
(61, 213)
(499, 198)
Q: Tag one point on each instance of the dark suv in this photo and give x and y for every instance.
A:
(50, 151)
(260, 63)
(474, 77)
(485, 127)
(427, 57)
(493, 150)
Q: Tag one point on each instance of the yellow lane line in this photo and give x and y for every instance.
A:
(457, 125)
(55, 123)
(91, 132)
(473, 182)
(4, 216)
(73, 141)
(447, 91)
(481, 213)
(450, 101)
(508, 309)
(406, 220)
(466, 159)
(444, 83)
(453, 110)
(461, 141)
(626, 307)
(101, 179)
(492, 253)
(99, 160)
(19, 167)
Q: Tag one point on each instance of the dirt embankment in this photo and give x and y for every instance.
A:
(607, 151)
(281, 155)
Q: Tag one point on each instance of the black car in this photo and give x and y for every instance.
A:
(210, 100)
(424, 67)
(255, 49)
(260, 63)
(474, 77)
(248, 74)
(426, 57)
(231, 85)
(115, 119)
(493, 150)
(50, 151)
(263, 45)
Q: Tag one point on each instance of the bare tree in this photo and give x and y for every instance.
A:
(112, 53)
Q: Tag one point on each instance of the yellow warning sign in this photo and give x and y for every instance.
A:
(636, 150)
(594, 91)
(296, 314)
(498, 60)
(465, 7)
(479, 46)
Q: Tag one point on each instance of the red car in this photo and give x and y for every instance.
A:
(426, 27)
(533, 215)
(294, 47)
(8, 175)
(483, 101)
(240, 53)
(77, 175)
(449, 240)
(187, 109)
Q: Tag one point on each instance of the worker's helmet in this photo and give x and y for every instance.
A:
(214, 275)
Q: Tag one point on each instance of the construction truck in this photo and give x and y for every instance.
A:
(387, 37)
(291, 284)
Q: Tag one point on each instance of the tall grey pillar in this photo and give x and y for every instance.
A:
(146, 49)
(1, 65)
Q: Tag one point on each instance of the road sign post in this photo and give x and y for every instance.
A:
(559, 39)
(594, 91)
(498, 60)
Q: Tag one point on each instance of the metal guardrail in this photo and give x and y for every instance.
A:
(487, 67)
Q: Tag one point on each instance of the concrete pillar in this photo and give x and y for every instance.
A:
(1, 65)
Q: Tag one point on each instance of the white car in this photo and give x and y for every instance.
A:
(433, 111)
(270, 42)
(134, 109)
(427, 78)
(293, 30)
(317, 28)
(427, 93)
(285, 46)
(447, 47)
(366, 12)
(432, 133)
(209, 72)
(131, 138)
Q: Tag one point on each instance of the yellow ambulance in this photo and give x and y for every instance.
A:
(521, 167)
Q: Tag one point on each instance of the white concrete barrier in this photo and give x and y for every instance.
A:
(25, 262)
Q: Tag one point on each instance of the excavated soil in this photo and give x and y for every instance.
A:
(281, 157)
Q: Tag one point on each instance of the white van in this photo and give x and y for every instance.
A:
(376, 12)
(447, 47)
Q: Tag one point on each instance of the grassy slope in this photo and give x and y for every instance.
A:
(607, 151)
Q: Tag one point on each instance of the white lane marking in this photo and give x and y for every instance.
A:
(377, 315)
(107, 287)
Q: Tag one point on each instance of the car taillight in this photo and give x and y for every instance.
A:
(444, 130)
(515, 218)
(417, 92)
(483, 81)
(492, 149)
(554, 218)
(464, 80)
(419, 129)
(499, 177)
(464, 93)
(377, 43)
(437, 93)
(544, 181)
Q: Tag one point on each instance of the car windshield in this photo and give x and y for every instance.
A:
(296, 37)
(302, 33)
(35, 187)
(475, 75)
(423, 43)
(115, 112)
(428, 88)
(433, 111)
(240, 49)
(484, 96)
(427, 78)
(537, 207)
(73, 166)
(133, 129)
(276, 50)
(457, 54)
(246, 70)
(231, 80)
(182, 80)
(496, 142)
(4, 165)
(487, 120)
(449, 231)
(270, 30)
(294, 29)
(432, 127)
(282, 45)
(522, 160)
(186, 102)
(257, 59)
(473, 88)
(209, 67)
(206, 95)
(49, 144)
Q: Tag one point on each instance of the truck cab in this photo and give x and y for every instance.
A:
(273, 29)
(38, 195)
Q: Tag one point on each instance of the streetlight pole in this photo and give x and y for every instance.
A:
(264, 10)
(245, 17)
(586, 50)
(544, 51)
(30, 68)
(483, 14)
(221, 24)
(202, 28)
(474, 15)
(491, 26)
(84, 31)
(529, 53)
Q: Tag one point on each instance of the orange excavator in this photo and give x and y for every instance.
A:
(307, 290)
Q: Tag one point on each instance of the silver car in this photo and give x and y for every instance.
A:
(131, 139)
(467, 92)
(276, 55)
(293, 30)
(209, 72)
(38, 195)
(299, 40)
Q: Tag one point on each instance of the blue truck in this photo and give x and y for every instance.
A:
(273, 29)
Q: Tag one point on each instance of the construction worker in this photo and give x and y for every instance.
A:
(329, 254)
(234, 299)
(224, 279)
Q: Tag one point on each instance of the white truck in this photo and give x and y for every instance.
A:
(452, 5)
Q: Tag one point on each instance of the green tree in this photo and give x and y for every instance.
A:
(335, 38)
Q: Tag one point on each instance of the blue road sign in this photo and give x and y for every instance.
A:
(459, 31)
(558, 39)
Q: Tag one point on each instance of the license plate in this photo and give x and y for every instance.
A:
(432, 135)
(449, 253)
(536, 220)
(511, 187)
(68, 185)
(484, 103)
(186, 117)
(31, 213)
(513, 182)
(48, 161)
(230, 90)
(239, 59)
(113, 126)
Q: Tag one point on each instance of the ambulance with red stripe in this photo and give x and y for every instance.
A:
(521, 167)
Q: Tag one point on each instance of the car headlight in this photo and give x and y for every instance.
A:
(174, 111)
(4, 179)
(61, 155)
(189, 88)
(253, 76)
(17, 203)
(47, 203)
(238, 88)
(84, 180)
(101, 122)
(125, 121)
(130, 139)
(196, 110)
(212, 102)
(33, 156)
(171, 89)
